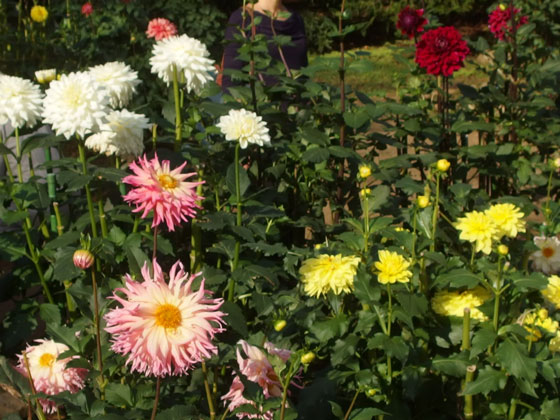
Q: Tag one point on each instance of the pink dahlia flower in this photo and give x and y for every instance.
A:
(161, 28)
(499, 21)
(236, 399)
(162, 190)
(411, 21)
(87, 9)
(164, 328)
(50, 374)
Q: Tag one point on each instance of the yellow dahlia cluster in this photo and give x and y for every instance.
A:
(454, 303)
(392, 268)
(508, 219)
(534, 321)
(552, 291)
(328, 273)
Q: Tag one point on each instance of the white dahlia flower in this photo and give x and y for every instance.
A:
(119, 80)
(189, 55)
(244, 126)
(547, 258)
(75, 104)
(20, 101)
(45, 76)
(121, 135)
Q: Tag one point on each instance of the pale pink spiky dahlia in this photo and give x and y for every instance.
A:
(50, 374)
(158, 188)
(164, 328)
(161, 28)
(234, 398)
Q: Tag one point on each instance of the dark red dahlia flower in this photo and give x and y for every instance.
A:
(411, 21)
(441, 51)
(499, 21)
(87, 9)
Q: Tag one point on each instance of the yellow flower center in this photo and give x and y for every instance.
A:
(47, 360)
(167, 181)
(73, 96)
(168, 316)
(548, 252)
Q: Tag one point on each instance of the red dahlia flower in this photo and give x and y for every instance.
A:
(441, 51)
(87, 9)
(411, 21)
(499, 21)
(161, 28)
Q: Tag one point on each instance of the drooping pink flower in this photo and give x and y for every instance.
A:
(50, 374)
(257, 368)
(499, 21)
(234, 398)
(87, 9)
(441, 51)
(161, 28)
(164, 329)
(411, 21)
(162, 190)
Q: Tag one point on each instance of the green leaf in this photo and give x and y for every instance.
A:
(515, 360)
(50, 313)
(335, 327)
(244, 181)
(367, 413)
(119, 394)
(65, 335)
(486, 381)
(551, 409)
(482, 339)
(235, 318)
(459, 278)
(356, 119)
(453, 366)
(343, 349)
(315, 154)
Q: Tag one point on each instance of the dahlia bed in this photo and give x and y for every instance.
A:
(178, 252)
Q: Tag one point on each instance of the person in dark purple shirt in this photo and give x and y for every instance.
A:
(294, 55)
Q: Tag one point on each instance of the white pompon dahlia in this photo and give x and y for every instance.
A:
(120, 135)
(75, 104)
(244, 126)
(119, 80)
(189, 55)
(20, 101)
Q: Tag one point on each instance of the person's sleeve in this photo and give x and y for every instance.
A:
(231, 48)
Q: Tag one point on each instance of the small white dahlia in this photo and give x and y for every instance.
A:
(119, 80)
(75, 104)
(547, 258)
(20, 101)
(189, 55)
(50, 374)
(120, 135)
(244, 126)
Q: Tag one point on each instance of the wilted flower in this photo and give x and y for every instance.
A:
(50, 374)
(158, 188)
(119, 80)
(234, 398)
(552, 291)
(441, 51)
(478, 228)
(87, 9)
(164, 328)
(45, 76)
(20, 101)
(392, 268)
(75, 104)
(83, 259)
(188, 55)
(329, 273)
(411, 21)
(547, 258)
(244, 126)
(454, 303)
(499, 21)
(160, 28)
(536, 320)
(120, 135)
(39, 14)
(507, 218)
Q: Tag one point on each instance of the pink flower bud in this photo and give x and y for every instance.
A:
(83, 259)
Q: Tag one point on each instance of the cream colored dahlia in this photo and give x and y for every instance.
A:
(119, 80)
(20, 101)
(189, 55)
(120, 135)
(547, 258)
(75, 104)
(45, 76)
(244, 126)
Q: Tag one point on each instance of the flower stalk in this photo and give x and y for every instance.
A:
(209, 397)
(435, 213)
(82, 153)
(178, 123)
(156, 399)
(466, 345)
(231, 286)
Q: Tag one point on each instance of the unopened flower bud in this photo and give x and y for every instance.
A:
(502, 7)
(543, 314)
(423, 201)
(83, 259)
(503, 249)
(318, 246)
(364, 192)
(365, 171)
(371, 392)
(307, 357)
(280, 324)
(45, 76)
(443, 165)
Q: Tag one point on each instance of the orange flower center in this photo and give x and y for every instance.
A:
(548, 252)
(167, 181)
(168, 316)
(47, 360)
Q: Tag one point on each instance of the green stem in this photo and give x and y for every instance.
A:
(208, 393)
(178, 124)
(235, 263)
(547, 203)
(466, 345)
(122, 187)
(97, 327)
(389, 322)
(102, 221)
(18, 156)
(82, 153)
(497, 293)
(435, 214)
(414, 228)
(349, 411)
(196, 234)
(35, 259)
(473, 252)
(469, 407)
(7, 162)
(366, 224)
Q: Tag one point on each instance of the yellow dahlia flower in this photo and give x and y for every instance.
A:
(454, 303)
(478, 228)
(39, 14)
(535, 320)
(507, 218)
(329, 272)
(392, 268)
(552, 291)
(554, 344)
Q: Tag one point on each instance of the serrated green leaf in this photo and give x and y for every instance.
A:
(118, 394)
(514, 359)
(487, 380)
